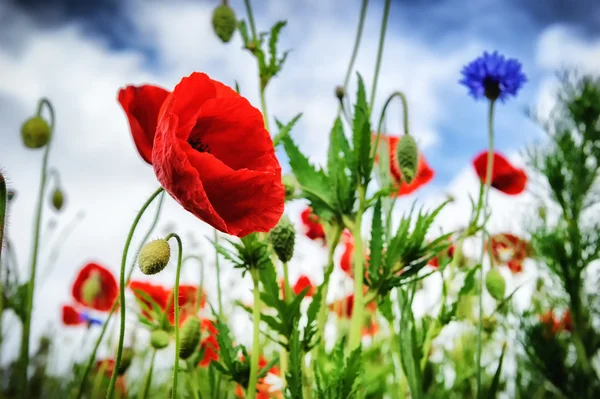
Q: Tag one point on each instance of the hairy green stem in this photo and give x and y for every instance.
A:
(402, 97)
(217, 266)
(251, 391)
(119, 356)
(358, 308)
(148, 380)
(263, 103)
(488, 184)
(24, 356)
(386, 14)
(176, 306)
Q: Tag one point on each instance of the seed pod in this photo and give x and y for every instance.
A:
(159, 339)
(190, 337)
(340, 92)
(91, 288)
(35, 132)
(283, 237)
(154, 256)
(224, 22)
(126, 359)
(58, 199)
(408, 157)
(495, 284)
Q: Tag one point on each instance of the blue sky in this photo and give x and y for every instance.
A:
(78, 53)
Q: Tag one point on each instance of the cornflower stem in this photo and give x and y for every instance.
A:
(488, 183)
(113, 379)
(217, 266)
(386, 14)
(251, 391)
(24, 356)
(3, 206)
(176, 306)
(359, 303)
(148, 380)
(359, 31)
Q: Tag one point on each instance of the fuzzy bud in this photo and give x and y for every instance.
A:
(159, 339)
(283, 237)
(224, 22)
(154, 257)
(126, 359)
(408, 157)
(340, 92)
(190, 337)
(58, 199)
(91, 288)
(495, 284)
(489, 324)
(291, 186)
(35, 132)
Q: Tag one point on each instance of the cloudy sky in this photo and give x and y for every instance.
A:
(79, 54)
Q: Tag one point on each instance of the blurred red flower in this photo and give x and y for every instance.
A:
(505, 177)
(71, 317)
(345, 306)
(510, 250)
(95, 287)
(141, 105)
(263, 387)
(213, 155)
(302, 283)
(557, 325)
(188, 297)
(435, 262)
(107, 367)
(157, 293)
(346, 263)
(424, 172)
(312, 225)
(209, 343)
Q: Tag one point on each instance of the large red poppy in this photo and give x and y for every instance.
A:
(159, 295)
(312, 225)
(505, 177)
(71, 317)
(510, 250)
(141, 105)
(213, 155)
(424, 172)
(95, 287)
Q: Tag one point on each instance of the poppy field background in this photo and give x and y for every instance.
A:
(79, 61)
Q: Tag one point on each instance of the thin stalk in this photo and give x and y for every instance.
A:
(219, 295)
(359, 303)
(382, 117)
(283, 356)
(148, 380)
(251, 391)
(3, 201)
(263, 104)
(201, 282)
(250, 18)
(176, 299)
(286, 283)
(386, 14)
(113, 379)
(98, 380)
(488, 183)
(24, 357)
(114, 307)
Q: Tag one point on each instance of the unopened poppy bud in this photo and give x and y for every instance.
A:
(11, 194)
(190, 337)
(126, 359)
(58, 199)
(154, 257)
(91, 288)
(408, 157)
(495, 284)
(291, 186)
(224, 22)
(340, 92)
(489, 324)
(35, 132)
(159, 339)
(283, 237)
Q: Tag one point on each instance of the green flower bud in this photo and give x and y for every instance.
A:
(91, 288)
(126, 359)
(489, 324)
(495, 284)
(35, 132)
(190, 337)
(283, 237)
(224, 22)
(11, 195)
(159, 339)
(58, 199)
(408, 157)
(291, 186)
(340, 92)
(154, 257)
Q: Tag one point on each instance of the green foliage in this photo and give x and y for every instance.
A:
(339, 379)
(409, 347)
(294, 375)
(252, 252)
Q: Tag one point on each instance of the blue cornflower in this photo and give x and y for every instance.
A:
(493, 76)
(84, 316)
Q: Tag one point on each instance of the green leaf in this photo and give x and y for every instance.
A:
(361, 137)
(294, 375)
(273, 38)
(409, 348)
(243, 29)
(349, 382)
(496, 380)
(284, 130)
(376, 244)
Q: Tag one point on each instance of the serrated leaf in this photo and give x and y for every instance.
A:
(284, 130)
(496, 380)
(361, 137)
(409, 348)
(376, 245)
(294, 375)
(273, 38)
(351, 373)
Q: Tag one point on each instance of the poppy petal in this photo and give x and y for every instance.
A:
(505, 177)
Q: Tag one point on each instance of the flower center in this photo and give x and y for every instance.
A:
(491, 88)
(198, 145)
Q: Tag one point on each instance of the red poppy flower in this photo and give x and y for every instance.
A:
(312, 225)
(550, 321)
(188, 296)
(263, 387)
(509, 249)
(371, 329)
(213, 155)
(566, 321)
(424, 172)
(505, 177)
(344, 307)
(159, 295)
(435, 262)
(302, 283)
(141, 105)
(346, 263)
(209, 343)
(71, 317)
(95, 287)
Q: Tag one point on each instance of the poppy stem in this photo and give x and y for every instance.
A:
(488, 183)
(359, 303)
(250, 18)
(3, 201)
(24, 355)
(251, 391)
(113, 379)
(263, 104)
(219, 294)
(148, 380)
(287, 289)
(386, 14)
(199, 292)
(176, 306)
(402, 97)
